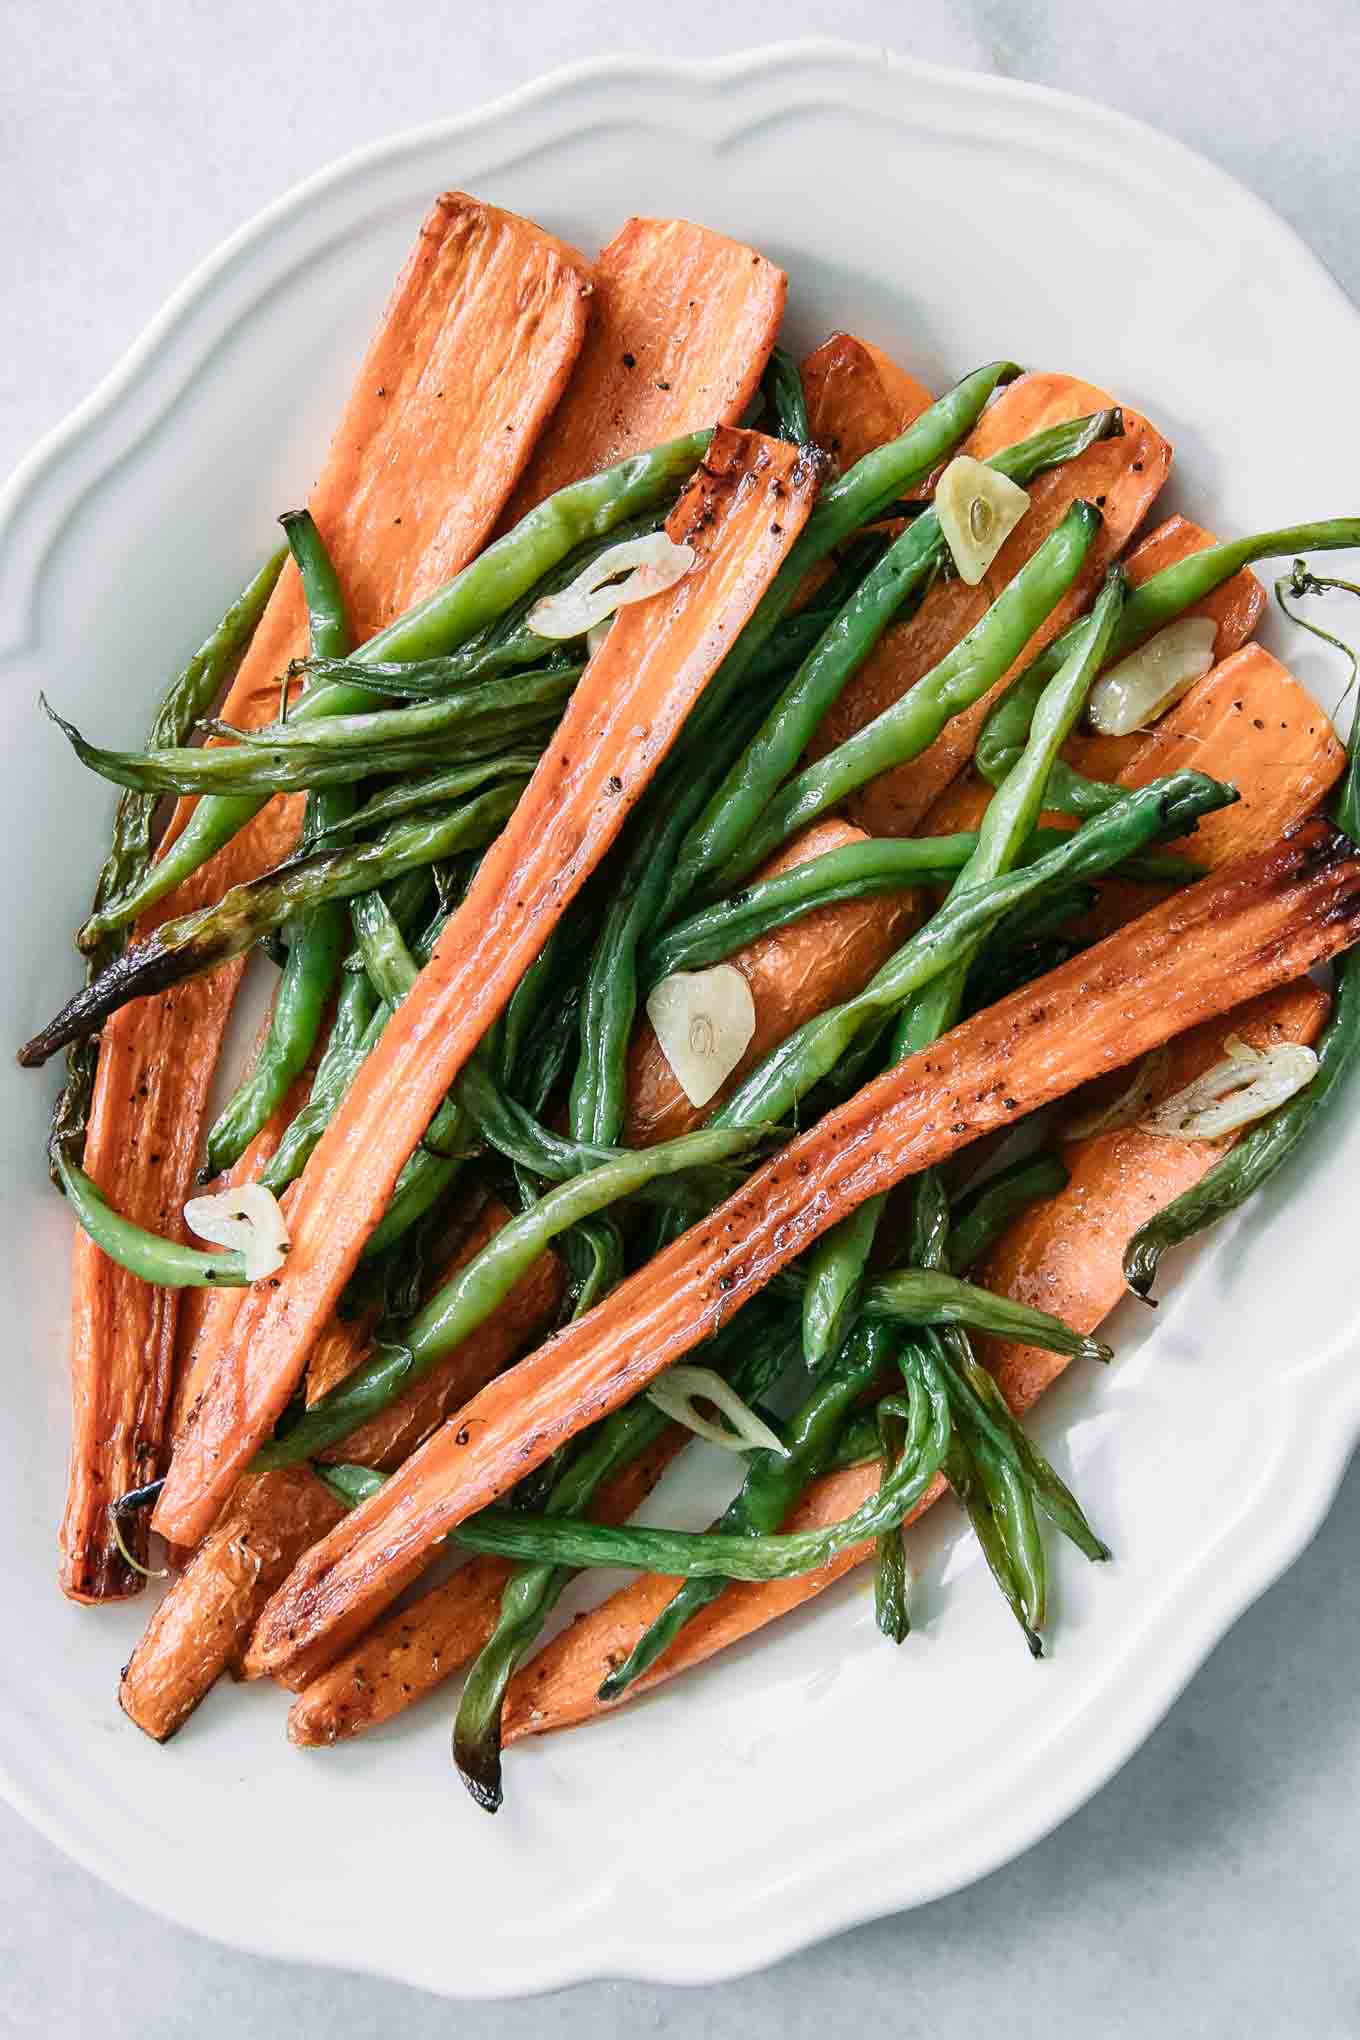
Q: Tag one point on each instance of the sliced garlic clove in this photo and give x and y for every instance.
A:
(704, 1020)
(978, 510)
(246, 1217)
(649, 566)
(1242, 1088)
(1140, 688)
(675, 1394)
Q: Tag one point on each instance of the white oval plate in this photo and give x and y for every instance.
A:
(813, 1778)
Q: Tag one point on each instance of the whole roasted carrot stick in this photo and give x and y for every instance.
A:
(200, 1628)
(1260, 923)
(472, 354)
(741, 513)
(1064, 1253)
(682, 321)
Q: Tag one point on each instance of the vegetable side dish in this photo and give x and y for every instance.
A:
(783, 904)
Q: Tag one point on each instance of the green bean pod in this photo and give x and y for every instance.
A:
(432, 790)
(979, 1219)
(835, 1280)
(145, 1254)
(714, 843)
(706, 1554)
(892, 1615)
(296, 756)
(483, 591)
(474, 1290)
(925, 1296)
(1164, 807)
(214, 934)
(783, 389)
(318, 938)
(905, 729)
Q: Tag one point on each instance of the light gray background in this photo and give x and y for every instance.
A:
(1214, 1887)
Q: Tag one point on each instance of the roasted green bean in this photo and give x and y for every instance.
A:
(483, 591)
(980, 1218)
(905, 729)
(317, 939)
(783, 389)
(1165, 807)
(715, 843)
(703, 1554)
(214, 934)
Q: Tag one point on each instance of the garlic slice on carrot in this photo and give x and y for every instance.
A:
(675, 1395)
(1140, 688)
(648, 565)
(247, 1217)
(1247, 1084)
(704, 1020)
(978, 510)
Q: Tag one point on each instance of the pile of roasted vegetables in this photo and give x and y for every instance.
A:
(706, 818)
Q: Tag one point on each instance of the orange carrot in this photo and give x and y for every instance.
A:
(472, 354)
(741, 513)
(682, 321)
(1240, 932)
(417, 1648)
(1265, 735)
(858, 398)
(205, 1621)
(793, 973)
(1121, 476)
(1063, 1255)
(202, 1625)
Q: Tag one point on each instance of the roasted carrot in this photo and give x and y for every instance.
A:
(1120, 476)
(682, 321)
(1248, 722)
(205, 1621)
(858, 398)
(416, 1648)
(1265, 735)
(1236, 610)
(472, 354)
(1062, 1255)
(201, 1627)
(741, 513)
(1233, 935)
(793, 973)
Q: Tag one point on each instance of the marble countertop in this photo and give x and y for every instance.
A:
(1213, 1887)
